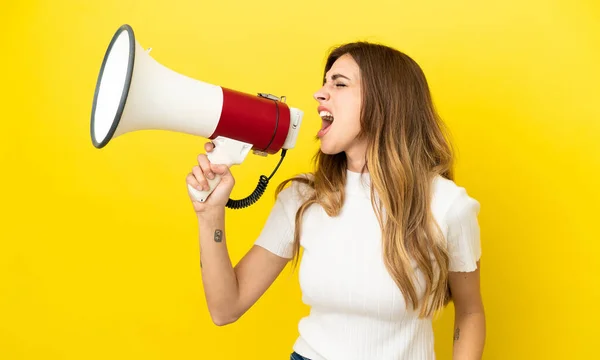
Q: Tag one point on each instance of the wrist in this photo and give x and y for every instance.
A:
(211, 215)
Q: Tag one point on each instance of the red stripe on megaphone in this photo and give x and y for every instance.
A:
(262, 122)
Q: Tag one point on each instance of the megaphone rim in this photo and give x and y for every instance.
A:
(128, 77)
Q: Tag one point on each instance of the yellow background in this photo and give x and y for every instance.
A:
(99, 251)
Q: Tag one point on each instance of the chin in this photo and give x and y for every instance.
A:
(329, 150)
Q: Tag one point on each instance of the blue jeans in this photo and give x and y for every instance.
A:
(296, 356)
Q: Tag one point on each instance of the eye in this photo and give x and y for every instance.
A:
(340, 85)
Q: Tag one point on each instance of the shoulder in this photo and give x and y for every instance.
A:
(277, 235)
(296, 191)
(457, 214)
(450, 199)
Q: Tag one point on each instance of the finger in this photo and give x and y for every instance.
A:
(209, 146)
(220, 169)
(199, 175)
(191, 180)
(205, 166)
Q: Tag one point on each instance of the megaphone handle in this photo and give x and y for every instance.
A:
(226, 152)
(201, 196)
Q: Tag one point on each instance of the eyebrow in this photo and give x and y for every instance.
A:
(335, 77)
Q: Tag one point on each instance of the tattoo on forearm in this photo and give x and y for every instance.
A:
(218, 235)
(456, 334)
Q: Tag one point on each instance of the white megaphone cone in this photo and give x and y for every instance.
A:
(134, 92)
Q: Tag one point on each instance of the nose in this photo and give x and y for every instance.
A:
(321, 95)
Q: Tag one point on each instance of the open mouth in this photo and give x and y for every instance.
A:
(327, 120)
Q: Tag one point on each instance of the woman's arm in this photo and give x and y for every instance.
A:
(469, 319)
(231, 291)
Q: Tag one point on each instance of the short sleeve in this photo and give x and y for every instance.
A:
(464, 243)
(277, 235)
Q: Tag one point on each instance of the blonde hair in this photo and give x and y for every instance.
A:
(407, 148)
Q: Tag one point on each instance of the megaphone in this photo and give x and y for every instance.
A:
(134, 92)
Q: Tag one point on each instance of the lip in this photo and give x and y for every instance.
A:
(323, 108)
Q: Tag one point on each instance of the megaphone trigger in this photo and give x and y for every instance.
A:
(226, 152)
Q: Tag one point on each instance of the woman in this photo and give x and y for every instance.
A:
(388, 238)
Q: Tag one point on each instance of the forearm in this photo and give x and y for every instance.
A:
(469, 336)
(218, 276)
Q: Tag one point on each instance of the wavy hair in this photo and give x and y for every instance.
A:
(407, 147)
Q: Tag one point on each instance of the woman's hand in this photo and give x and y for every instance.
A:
(198, 180)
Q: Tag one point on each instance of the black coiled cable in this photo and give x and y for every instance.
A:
(258, 191)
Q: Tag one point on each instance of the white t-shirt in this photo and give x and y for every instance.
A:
(357, 311)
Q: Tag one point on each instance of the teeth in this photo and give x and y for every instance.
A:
(326, 115)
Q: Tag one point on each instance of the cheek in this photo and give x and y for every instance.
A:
(348, 128)
(354, 121)
(352, 114)
(355, 115)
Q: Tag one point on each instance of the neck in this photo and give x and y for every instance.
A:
(356, 157)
